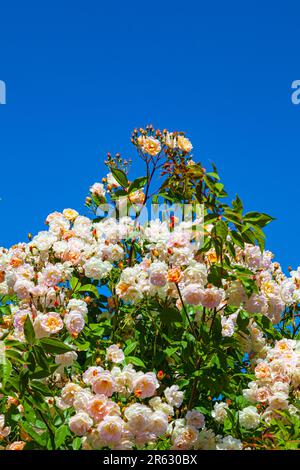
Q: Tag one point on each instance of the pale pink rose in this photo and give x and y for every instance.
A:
(67, 359)
(174, 396)
(80, 423)
(211, 298)
(104, 384)
(137, 197)
(97, 407)
(22, 288)
(262, 394)
(51, 323)
(279, 401)
(74, 322)
(68, 393)
(114, 354)
(192, 294)
(19, 319)
(285, 345)
(4, 430)
(184, 143)
(91, 373)
(262, 370)
(145, 386)
(195, 418)
(149, 145)
(138, 417)
(17, 445)
(51, 275)
(82, 399)
(53, 216)
(158, 423)
(158, 279)
(110, 429)
(257, 303)
(97, 189)
(70, 214)
(186, 438)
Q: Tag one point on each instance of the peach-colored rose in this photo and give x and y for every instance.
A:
(149, 145)
(104, 383)
(184, 144)
(70, 214)
(262, 370)
(17, 445)
(174, 275)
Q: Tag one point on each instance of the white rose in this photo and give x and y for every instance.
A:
(96, 268)
(174, 396)
(219, 412)
(249, 417)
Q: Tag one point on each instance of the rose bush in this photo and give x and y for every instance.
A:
(174, 331)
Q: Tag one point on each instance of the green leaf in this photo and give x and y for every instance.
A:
(14, 355)
(60, 435)
(237, 205)
(6, 371)
(170, 315)
(120, 177)
(76, 443)
(247, 235)
(29, 331)
(55, 346)
(233, 217)
(213, 175)
(41, 357)
(40, 373)
(138, 183)
(258, 218)
(130, 347)
(135, 361)
(170, 351)
(40, 439)
(243, 320)
(89, 288)
(221, 230)
(260, 237)
(74, 283)
(40, 387)
(237, 239)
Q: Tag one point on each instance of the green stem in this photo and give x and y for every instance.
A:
(185, 311)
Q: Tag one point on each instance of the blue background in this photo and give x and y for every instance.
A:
(81, 75)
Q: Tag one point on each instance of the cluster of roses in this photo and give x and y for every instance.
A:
(277, 377)
(119, 408)
(38, 273)
(172, 267)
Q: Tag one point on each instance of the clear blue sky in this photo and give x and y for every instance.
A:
(81, 75)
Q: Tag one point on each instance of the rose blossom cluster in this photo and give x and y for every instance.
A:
(277, 378)
(190, 433)
(119, 407)
(38, 273)
(169, 266)
(172, 267)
